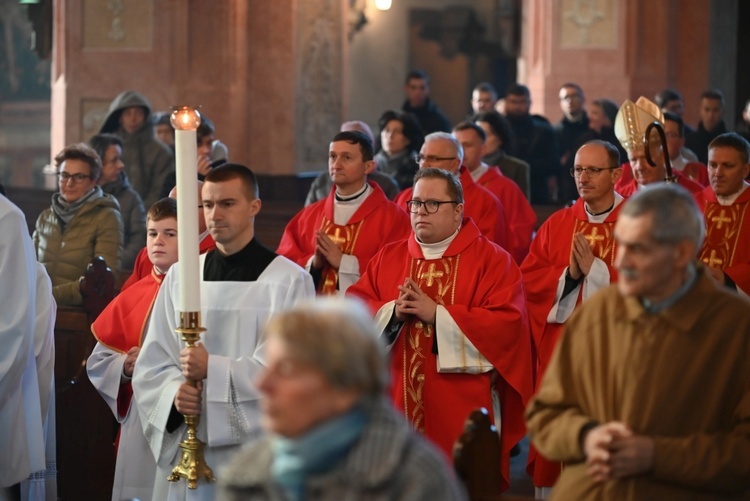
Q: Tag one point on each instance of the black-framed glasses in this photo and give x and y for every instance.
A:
(64, 177)
(590, 171)
(432, 158)
(430, 206)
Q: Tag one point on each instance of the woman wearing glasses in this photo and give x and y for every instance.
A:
(82, 223)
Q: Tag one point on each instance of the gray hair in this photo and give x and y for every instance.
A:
(677, 216)
(448, 137)
(337, 337)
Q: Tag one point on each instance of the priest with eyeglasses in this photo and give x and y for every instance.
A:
(451, 304)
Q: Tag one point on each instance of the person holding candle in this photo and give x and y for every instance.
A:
(119, 330)
(241, 284)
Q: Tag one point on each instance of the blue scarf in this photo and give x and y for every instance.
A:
(317, 451)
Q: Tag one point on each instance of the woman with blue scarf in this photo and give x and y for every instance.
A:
(333, 435)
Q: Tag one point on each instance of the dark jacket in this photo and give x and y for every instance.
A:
(400, 167)
(429, 116)
(699, 140)
(147, 160)
(133, 218)
(534, 142)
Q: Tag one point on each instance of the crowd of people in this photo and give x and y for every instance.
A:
(412, 288)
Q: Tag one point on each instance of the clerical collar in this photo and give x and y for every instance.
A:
(350, 198)
(478, 172)
(599, 217)
(692, 277)
(731, 198)
(436, 250)
(245, 265)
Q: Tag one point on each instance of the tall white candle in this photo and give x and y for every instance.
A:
(185, 121)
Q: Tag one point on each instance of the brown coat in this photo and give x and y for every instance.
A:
(681, 376)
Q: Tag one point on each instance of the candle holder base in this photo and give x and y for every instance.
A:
(192, 465)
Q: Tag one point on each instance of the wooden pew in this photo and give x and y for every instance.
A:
(85, 425)
(476, 459)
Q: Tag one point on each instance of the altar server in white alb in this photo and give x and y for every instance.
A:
(22, 449)
(242, 283)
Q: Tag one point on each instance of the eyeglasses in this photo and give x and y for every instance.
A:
(590, 171)
(430, 206)
(77, 178)
(432, 159)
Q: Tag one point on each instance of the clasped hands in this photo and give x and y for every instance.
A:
(412, 301)
(581, 257)
(194, 365)
(613, 451)
(326, 251)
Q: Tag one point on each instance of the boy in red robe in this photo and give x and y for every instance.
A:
(119, 330)
(452, 307)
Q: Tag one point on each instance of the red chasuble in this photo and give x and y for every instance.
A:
(627, 185)
(548, 257)
(727, 244)
(123, 322)
(480, 205)
(480, 287)
(377, 222)
(143, 264)
(520, 218)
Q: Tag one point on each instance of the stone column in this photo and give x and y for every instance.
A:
(268, 74)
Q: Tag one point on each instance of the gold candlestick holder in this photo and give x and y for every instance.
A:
(192, 465)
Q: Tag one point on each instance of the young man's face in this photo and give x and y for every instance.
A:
(132, 119)
(571, 102)
(710, 113)
(473, 147)
(165, 133)
(230, 216)
(517, 106)
(675, 141)
(416, 90)
(726, 170)
(161, 242)
(483, 101)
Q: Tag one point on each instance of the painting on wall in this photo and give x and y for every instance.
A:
(23, 75)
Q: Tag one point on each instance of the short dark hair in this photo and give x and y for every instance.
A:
(518, 89)
(163, 118)
(100, 143)
(486, 87)
(734, 141)
(206, 127)
(455, 191)
(81, 151)
(417, 75)
(162, 209)
(356, 137)
(499, 125)
(467, 125)
(609, 108)
(665, 96)
(713, 94)
(673, 117)
(613, 154)
(412, 129)
(229, 171)
(573, 85)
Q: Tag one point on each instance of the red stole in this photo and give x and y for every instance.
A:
(122, 324)
(345, 236)
(436, 278)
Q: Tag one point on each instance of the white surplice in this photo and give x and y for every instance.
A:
(233, 314)
(135, 468)
(42, 485)
(21, 434)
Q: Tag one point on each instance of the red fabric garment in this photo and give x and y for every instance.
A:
(483, 293)
(548, 257)
(375, 223)
(630, 188)
(697, 172)
(520, 218)
(627, 184)
(479, 204)
(143, 264)
(727, 243)
(122, 324)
